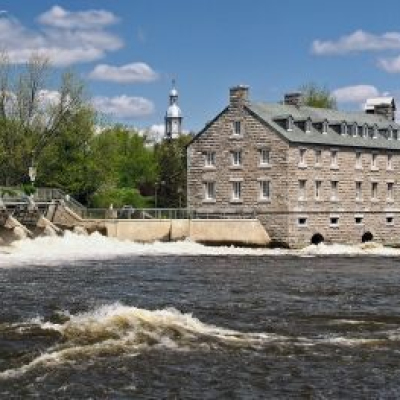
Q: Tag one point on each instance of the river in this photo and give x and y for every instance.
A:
(94, 318)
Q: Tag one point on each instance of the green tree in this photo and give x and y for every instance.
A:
(127, 165)
(317, 96)
(171, 184)
(31, 116)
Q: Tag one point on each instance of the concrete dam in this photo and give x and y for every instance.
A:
(31, 218)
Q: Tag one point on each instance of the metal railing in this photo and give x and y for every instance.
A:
(42, 195)
(164, 213)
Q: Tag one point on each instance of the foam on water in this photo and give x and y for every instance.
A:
(117, 329)
(53, 250)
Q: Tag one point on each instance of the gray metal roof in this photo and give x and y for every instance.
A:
(271, 112)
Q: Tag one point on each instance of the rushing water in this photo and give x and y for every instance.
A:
(90, 317)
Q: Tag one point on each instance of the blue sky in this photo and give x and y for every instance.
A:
(129, 50)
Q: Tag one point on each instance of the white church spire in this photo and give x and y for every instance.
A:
(173, 116)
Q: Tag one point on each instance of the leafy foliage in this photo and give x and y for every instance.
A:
(317, 96)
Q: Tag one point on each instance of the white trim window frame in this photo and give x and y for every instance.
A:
(334, 190)
(325, 126)
(302, 195)
(318, 190)
(209, 190)
(374, 161)
(374, 191)
(236, 190)
(209, 159)
(264, 190)
(359, 195)
(302, 157)
(237, 127)
(390, 191)
(264, 155)
(236, 156)
(334, 158)
(389, 164)
(359, 160)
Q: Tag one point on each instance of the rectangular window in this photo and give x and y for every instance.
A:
(374, 163)
(302, 189)
(264, 157)
(209, 191)
(334, 221)
(265, 190)
(358, 191)
(318, 185)
(358, 160)
(237, 128)
(302, 154)
(318, 157)
(236, 190)
(358, 220)
(374, 191)
(390, 161)
(210, 159)
(236, 158)
(334, 190)
(389, 220)
(334, 158)
(302, 221)
(390, 191)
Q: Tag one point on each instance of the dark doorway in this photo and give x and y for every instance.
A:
(367, 237)
(317, 239)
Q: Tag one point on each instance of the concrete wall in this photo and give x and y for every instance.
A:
(220, 231)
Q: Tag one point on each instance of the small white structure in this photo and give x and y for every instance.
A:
(173, 116)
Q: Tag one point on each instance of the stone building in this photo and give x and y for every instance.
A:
(308, 174)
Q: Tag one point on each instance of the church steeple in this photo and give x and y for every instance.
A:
(173, 116)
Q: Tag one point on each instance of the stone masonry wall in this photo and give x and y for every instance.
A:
(319, 211)
(220, 137)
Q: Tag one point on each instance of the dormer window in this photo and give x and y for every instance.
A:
(308, 125)
(343, 128)
(390, 133)
(289, 123)
(355, 129)
(365, 131)
(325, 127)
(375, 132)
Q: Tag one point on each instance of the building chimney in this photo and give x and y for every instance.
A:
(383, 106)
(293, 99)
(238, 95)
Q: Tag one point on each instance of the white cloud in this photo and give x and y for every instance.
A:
(355, 94)
(391, 65)
(129, 73)
(356, 42)
(61, 18)
(123, 106)
(63, 45)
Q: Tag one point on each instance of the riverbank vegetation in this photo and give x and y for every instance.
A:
(58, 132)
